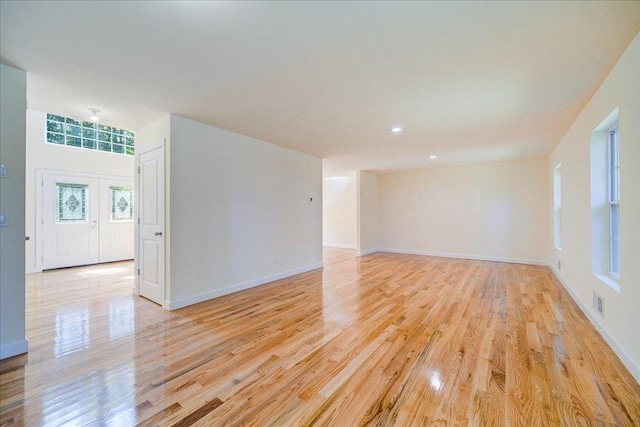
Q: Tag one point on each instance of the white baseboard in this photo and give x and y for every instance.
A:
(31, 270)
(13, 349)
(338, 245)
(367, 252)
(624, 357)
(467, 256)
(173, 305)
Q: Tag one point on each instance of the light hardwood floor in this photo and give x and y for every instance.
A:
(387, 339)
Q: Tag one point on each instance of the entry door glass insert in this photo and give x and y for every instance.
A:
(121, 202)
(72, 201)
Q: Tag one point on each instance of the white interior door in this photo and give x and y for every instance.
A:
(151, 228)
(116, 220)
(69, 221)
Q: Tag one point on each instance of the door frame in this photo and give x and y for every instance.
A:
(150, 146)
(39, 204)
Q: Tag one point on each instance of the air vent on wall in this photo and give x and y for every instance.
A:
(598, 304)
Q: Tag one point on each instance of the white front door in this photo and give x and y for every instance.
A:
(151, 229)
(70, 221)
(116, 220)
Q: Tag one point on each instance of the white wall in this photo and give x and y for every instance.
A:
(493, 211)
(367, 224)
(13, 105)
(621, 324)
(154, 132)
(339, 209)
(240, 212)
(42, 155)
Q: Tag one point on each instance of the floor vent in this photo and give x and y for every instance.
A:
(598, 304)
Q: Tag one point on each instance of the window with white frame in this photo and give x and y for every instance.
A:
(605, 201)
(557, 206)
(614, 201)
(92, 136)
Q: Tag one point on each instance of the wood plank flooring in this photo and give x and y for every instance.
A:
(386, 339)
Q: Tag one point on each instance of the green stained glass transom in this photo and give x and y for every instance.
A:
(71, 203)
(88, 135)
(121, 203)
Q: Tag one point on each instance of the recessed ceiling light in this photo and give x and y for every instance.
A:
(433, 157)
(396, 129)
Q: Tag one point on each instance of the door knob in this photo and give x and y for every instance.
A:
(158, 233)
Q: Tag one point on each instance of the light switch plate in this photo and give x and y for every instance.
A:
(4, 219)
(4, 171)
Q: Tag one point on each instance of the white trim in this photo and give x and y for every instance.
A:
(173, 305)
(617, 349)
(31, 270)
(608, 280)
(80, 174)
(338, 245)
(367, 252)
(13, 349)
(81, 148)
(467, 256)
(136, 226)
(38, 237)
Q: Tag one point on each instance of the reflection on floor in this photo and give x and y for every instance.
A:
(78, 319)
(384, 339)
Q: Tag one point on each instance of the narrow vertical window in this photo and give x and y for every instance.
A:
(605, 202)
(614, 202)
(121, 203)
(557, 206)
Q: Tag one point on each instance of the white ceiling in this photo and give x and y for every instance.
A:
(469, 81)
